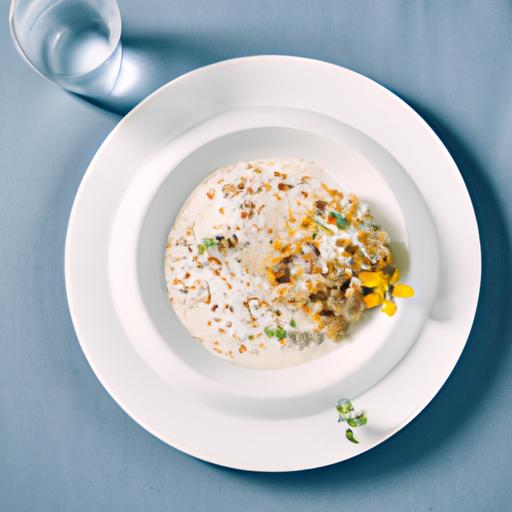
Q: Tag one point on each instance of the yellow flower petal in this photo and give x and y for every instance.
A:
(389, 307)
(372, 299)
(370, 279)
(403, 291)
(395, 276)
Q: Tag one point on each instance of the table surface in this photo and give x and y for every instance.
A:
(64, 443)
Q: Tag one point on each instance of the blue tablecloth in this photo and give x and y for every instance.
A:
(64, 443)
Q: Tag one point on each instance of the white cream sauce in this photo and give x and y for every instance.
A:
(225, 298)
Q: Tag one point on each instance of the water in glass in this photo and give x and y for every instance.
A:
(75, 43)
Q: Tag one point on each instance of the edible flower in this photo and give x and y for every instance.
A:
(384, 288)
(403, 291)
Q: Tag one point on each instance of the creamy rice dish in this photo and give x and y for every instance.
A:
(269, 265)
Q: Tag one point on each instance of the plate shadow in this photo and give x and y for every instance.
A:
(463, 396)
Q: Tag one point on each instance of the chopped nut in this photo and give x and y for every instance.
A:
(228, 190)
(283, 275)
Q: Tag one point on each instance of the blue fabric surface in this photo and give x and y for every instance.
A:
(64, 443)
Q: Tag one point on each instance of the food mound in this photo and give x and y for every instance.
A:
(269, 265)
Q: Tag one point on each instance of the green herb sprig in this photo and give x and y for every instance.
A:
(347, 413)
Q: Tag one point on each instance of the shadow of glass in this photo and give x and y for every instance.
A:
(463, 396)
(148, 62)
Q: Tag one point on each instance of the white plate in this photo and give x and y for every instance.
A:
(259, 107)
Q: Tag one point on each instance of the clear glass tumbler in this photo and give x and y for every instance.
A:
(75, 43)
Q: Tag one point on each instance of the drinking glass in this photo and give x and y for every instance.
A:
(75, 43)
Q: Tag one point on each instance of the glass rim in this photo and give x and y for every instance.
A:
(15, 39)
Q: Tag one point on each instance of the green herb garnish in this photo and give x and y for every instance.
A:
(341, 221)
(358, 421)
(344, 406)
(279, 332)
(293, 323)
(268, 331)
(347, 413)
(314, 236)
(207, 242)
(350, 436)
